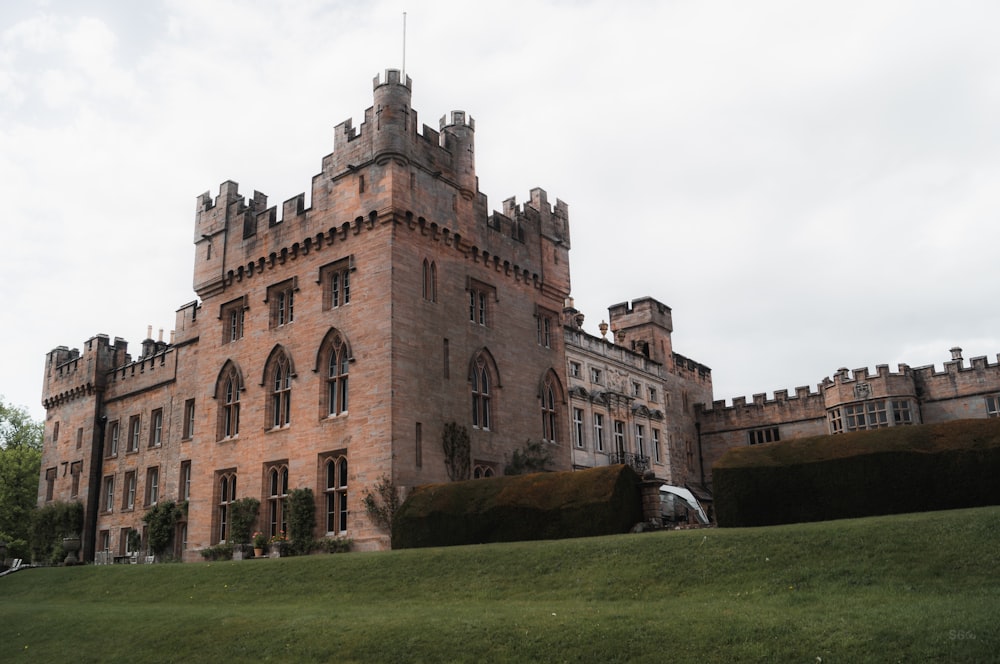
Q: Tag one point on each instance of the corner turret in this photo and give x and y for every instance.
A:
(392, 126)
(458, 136)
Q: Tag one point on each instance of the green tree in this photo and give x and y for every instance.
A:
(20, 464)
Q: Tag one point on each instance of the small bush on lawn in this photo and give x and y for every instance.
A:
(222, 551)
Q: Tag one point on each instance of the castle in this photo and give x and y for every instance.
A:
(333, 341)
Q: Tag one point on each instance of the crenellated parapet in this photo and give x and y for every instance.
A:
(375, 175)
(761, 411)
(70, 374)
(849, 386)
(957, 379)
(691, 370)
(153, 370)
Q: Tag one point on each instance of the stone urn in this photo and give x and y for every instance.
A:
(71, 545)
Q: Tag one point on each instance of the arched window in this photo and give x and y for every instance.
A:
(277, 492)
(480, 395)
(336, 378)
(280, 386)
(548, 412)
(430, 281)
(336, 495)
(227, 494)
(551, 397)
(227, 393)
(482, 472)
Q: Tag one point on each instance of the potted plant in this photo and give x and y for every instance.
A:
(259, 544)
(71, 524)
(242, 515)
(278, 543)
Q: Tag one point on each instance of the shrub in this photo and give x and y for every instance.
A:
(49, 525)
(161, 520)
(381, 505)
(333, 545)
(242, 515)
(534, 457)
(888, 471)
(222, 551)
(301, 506)
(597, 501)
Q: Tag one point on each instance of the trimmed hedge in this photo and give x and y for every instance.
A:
(597, 501)
(889, 471)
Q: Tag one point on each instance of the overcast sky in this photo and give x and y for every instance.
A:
(808, 185)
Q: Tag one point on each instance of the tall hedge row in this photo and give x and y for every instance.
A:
(598, 501)
(889, 471)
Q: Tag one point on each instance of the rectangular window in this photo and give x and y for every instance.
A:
(689, 454)
(108, 495)
(281, 302)
(866, 416)
(766, 435)
(652, 395)
(543, 324)
(55, 432)
(79, 438)
(578, 427)
(419, 445)
(993, 406)
(156, 428)
(619, 437)
(599, 432)
(125, 543)
(104, 541)
(574, 369)
(640, 440)
(335, 279)
(657, 450)
(836, 423)
(184, 486)
(595, 376)
(152, 485)
(75, 470)
(134, 423)
(188, 419)
(901, 412)
(50, 483)
(481, 296)
(233, 315)
(128, 495)
(114, 431)
(636, 389)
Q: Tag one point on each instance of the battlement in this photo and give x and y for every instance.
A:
(535, 217)
(843, 377)
(151, 370)
(760, 400)
(392, 77)
(686, 365)
(70, 374)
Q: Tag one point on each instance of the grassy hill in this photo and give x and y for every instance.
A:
(914, 587)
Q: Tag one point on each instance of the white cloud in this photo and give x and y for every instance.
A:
(806, 185)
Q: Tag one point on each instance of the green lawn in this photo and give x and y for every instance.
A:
(915, 587)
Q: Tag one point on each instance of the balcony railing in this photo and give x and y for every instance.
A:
(639, 462)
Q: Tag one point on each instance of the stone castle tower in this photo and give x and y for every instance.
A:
(332, 341)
